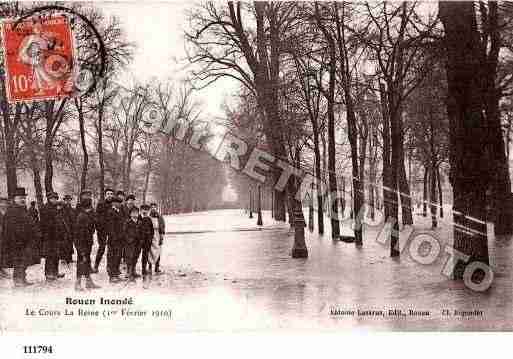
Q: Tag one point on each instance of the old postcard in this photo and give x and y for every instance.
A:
(198, 166)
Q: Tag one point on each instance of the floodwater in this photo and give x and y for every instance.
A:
(224, 273)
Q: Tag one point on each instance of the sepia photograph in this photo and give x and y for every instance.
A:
(255, 167)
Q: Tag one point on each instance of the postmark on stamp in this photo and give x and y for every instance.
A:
(38, 59)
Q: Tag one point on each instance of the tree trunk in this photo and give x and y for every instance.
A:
(432, 196)
(318, 175)
(470, 155)
(425, 192)
(387, 195)
(85, 156)
(404, 188)
(330, 97)
(146, 183)
(9, 128)
(10, 165)
(440, 193)
(48, 163)
(396, 143)
(101, 161)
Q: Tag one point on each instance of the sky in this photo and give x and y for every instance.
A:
(157, 28)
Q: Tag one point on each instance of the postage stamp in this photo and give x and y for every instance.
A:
(39, 58)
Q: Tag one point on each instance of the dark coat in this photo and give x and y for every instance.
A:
(132, 231)
(115, 226)
(102, 216)
(147, 231)
(127, 209)
(49, 226)
(84, 230)
(64, 237)
(124, 210)
(34, 213)
(70, 216)
(133, 238)
(20, 237)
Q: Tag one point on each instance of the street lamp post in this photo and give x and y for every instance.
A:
(272, 203)
(311, 212)
(299, 249)
(250, 204)
(259, 220)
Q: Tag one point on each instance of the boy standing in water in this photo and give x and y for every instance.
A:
(133, 241)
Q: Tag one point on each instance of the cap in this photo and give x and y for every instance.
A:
(145, 207)
(130, 196)
(68, 197)
(120, 193)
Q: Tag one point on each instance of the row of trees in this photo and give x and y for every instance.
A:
(99, 139)
(370, 91)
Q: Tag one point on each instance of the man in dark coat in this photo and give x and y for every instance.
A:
(63, 231)
(102, 219)
(86, 196)
(162, 231)
(19, 239)
(115, 242)
(84, 230)
(4, 204)
(49, 227)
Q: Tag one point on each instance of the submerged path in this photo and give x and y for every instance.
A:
(225, 273)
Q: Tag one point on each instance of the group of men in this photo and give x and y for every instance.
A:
(125, 231)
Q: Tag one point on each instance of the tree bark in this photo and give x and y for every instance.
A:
(470, 155)
(425, 192)
(85, 155)
(318, 175)
(101, 161)
(48, 153)
(10, 127)
(440, 193)
(432, 187)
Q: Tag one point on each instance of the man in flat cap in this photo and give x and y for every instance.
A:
(84, 230)
(49, 226)
(19, 238)
(102, 231)
(4, 203)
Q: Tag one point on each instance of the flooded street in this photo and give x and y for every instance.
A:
(224, 273)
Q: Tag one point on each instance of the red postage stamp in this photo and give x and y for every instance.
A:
(38, 59)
